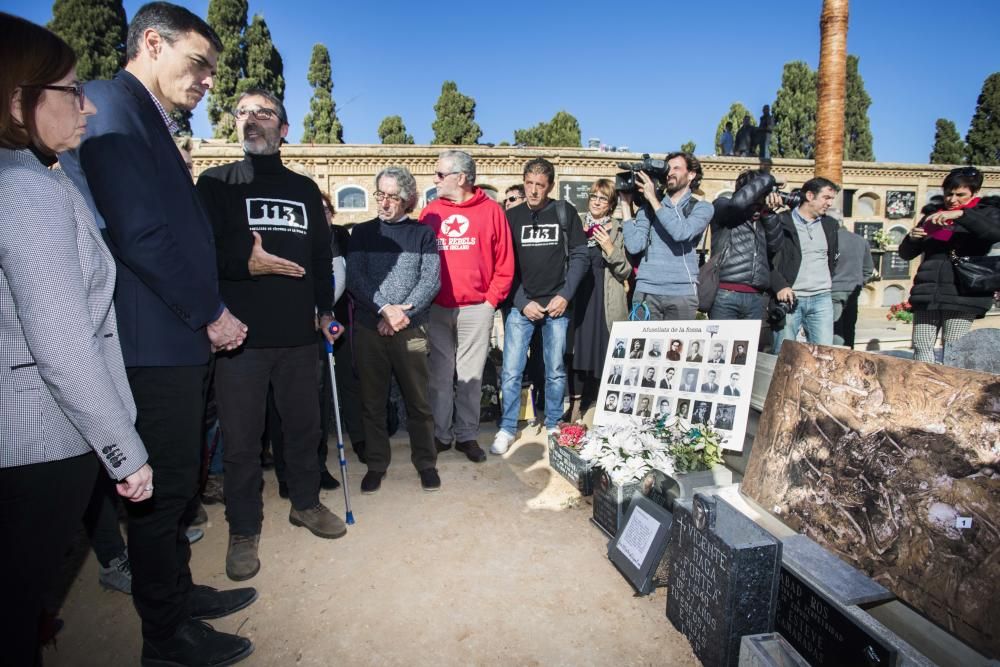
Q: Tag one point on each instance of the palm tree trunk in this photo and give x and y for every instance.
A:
(831, 90)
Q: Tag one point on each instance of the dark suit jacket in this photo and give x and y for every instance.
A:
(729, 391)
(709, 387)
(156, 228)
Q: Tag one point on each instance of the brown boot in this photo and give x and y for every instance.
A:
(320, 521)
(241, 557)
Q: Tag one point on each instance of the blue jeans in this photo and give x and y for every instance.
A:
(812, 313)
(517, 337)
(730, 305)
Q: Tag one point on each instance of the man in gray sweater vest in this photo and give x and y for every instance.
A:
(393, 274)
(854, 268)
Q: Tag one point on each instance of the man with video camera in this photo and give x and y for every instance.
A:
(665, 235)
(801, 278)
(746, 234)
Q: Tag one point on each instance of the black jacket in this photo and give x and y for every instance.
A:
(743, 246)
(786, 262)
(934, 284)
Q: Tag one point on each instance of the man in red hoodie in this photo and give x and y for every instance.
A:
(477, 268)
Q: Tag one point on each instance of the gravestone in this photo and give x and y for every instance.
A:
(639, 546)
(723, 580)
(818, 612)
(977, 350)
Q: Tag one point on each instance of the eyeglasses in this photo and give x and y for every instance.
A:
(381, 197)
(444, 174)
(76, 89)
(599, 198)
(513, 198)
(259, 114)
(964, 171)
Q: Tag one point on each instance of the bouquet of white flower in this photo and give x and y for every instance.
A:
(628, 451)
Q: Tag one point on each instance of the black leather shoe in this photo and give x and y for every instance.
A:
(207, 602)
(429, 479)
(442, 446)
(472, 451)
(372, 481)
(196, 643)
(328, 481)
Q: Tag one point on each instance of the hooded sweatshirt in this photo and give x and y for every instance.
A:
(474, 244)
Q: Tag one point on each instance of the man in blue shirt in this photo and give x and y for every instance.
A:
(665, 234)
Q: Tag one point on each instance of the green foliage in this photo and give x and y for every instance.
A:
(688, 147)
(264, 67)
(183, 120)
(229, 19)
(983, 138)
(692, 447)
(96, 30)
(857, 128)
(794, 112)
(560, 132)
(321, 125)
(456, 117)
(735, 116)
(392, 131)
(948, 145)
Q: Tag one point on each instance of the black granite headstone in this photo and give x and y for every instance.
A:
(611, 500)
(818, 612)
(723, 580)
(639, 546)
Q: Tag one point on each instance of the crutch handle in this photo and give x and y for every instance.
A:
(334, 328)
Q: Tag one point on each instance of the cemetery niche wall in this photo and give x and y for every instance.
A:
(895, 466)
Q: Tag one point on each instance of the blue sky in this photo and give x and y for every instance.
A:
(647, 75)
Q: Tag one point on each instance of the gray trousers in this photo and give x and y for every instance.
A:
(459, 340)
(668, 307)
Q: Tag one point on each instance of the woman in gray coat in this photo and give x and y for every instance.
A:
(66, 402)
(600, 300)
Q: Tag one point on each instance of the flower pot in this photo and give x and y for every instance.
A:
(568, 463)
(611, 500)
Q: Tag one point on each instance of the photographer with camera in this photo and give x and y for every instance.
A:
(746, 234)
(665, 234)
(802, 268)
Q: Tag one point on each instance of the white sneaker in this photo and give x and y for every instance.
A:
(501, 443)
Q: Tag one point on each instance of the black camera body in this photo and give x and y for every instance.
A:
(625, 181)
(790, 199)
(777, 311)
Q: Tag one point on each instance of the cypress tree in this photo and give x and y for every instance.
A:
(321, 125)
(96, 29)
(264, 67)
(983, 139)
(229, 19)
(948, 145)
(456, 117)
(735, 116)
(392, 131)
(183, 119)
(688, 147)
(857, 128)
(532, 136)
(794, 112)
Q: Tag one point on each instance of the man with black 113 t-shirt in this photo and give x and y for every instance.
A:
(550, 254)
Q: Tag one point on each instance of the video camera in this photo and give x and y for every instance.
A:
(656, 169)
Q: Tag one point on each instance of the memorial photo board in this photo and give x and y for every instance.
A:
(900, 204)
(893, 465)
(700, 370)
(639, 546)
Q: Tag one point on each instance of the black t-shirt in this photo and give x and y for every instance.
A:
(258, 194)
(542, 252)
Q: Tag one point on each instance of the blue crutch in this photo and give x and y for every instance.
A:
(334, 328)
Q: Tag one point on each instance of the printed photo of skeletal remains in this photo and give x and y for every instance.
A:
(893, 465)
(900, 204)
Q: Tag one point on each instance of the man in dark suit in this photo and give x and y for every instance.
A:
(169, 312)
(732, 389)
(668, 378)
(710, 387)
(649, 377)
(690, 382)
(616, 375)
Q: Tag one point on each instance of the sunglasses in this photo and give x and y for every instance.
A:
(76, 89)
(964, 171)
(444, 174)
(513, 198)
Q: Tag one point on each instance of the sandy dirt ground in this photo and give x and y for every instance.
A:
(499, 567)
